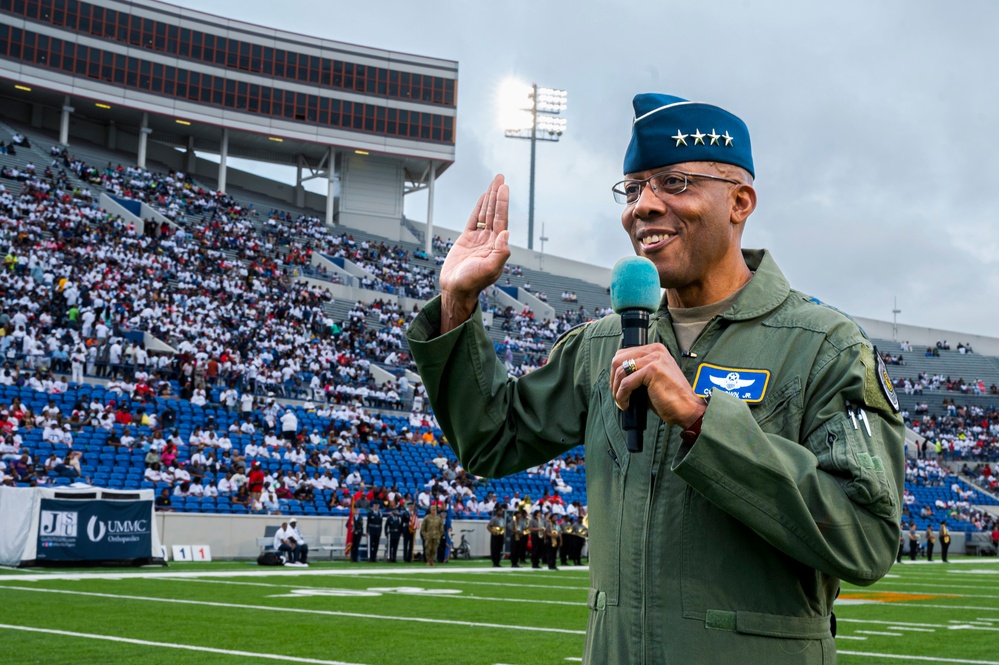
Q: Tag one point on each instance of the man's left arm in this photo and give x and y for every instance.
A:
(831, 500)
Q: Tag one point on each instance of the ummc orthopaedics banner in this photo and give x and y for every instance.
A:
(58, 525)
(93, 530)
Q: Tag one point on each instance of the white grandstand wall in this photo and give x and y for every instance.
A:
(235, 536)
(319, 260)
(371, 185)
(115, 208)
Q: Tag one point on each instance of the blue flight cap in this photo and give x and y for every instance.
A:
(671, 130)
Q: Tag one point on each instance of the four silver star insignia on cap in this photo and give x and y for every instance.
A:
(716, 139)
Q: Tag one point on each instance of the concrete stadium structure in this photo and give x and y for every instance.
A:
(150, 78)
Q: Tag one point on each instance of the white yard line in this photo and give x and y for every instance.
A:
(172, 645)
(481, 583)
(267, 572)
(879, 632)
(929, 659)
(269, 608)
(911, 629)
(889, 623)
(295, 587)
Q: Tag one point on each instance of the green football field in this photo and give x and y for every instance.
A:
(376, 614)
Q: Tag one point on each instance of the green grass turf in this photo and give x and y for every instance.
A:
(477, 617)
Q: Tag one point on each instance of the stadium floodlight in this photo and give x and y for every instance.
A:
(538, 122)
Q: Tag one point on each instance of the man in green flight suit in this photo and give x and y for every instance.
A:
(772, 467)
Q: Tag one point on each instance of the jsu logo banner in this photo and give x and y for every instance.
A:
(113, 530)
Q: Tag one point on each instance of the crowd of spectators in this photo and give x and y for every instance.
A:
(216, 286)
(77, 281)
(955, 505)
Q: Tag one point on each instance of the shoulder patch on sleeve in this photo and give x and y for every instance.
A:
(571, 332)
(878, 387)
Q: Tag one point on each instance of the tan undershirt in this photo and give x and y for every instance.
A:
(689, 322)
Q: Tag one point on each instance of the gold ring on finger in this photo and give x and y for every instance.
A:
(630, 366)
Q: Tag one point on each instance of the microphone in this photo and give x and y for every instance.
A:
(635, 295)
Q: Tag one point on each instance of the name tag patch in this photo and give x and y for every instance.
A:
(749, 385)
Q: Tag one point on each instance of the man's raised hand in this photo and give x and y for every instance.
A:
(476, 259)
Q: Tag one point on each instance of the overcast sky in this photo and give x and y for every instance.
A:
(873, 127)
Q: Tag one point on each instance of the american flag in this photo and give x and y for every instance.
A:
(350, 529)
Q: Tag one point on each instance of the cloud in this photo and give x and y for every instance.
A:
(872, 127)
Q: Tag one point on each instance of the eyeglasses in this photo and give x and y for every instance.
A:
(664, 182)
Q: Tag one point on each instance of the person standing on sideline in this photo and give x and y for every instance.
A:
(518, 542)
(394, 526)
(930, 539)
(375, 523)
(553, 536)
(775, 427)
(944, 540)
(356, 535)
(497, 536)
(431, 531)
(913, 541)
(537, 529)
(407, 515)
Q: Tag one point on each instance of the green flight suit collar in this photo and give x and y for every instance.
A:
(763, 293)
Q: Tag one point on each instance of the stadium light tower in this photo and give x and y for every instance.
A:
(539, 122)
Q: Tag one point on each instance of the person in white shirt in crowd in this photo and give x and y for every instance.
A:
(196, 488)
(199, 457)
(238, 479)
(177, 473)
(272, 442)
(229, 398)
(200, 397)
(329, 481)
(210, 491)
(253, 450)
(268, 500)
(289, 425)
(225, 485)
(127, 439)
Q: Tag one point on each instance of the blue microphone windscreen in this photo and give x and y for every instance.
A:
(635, 285)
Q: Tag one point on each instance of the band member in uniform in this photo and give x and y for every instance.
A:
(537, 528)
(553, 539)
(582, 533)
(944, 540)
(497, 536)
(570, 541)
(518, 544)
